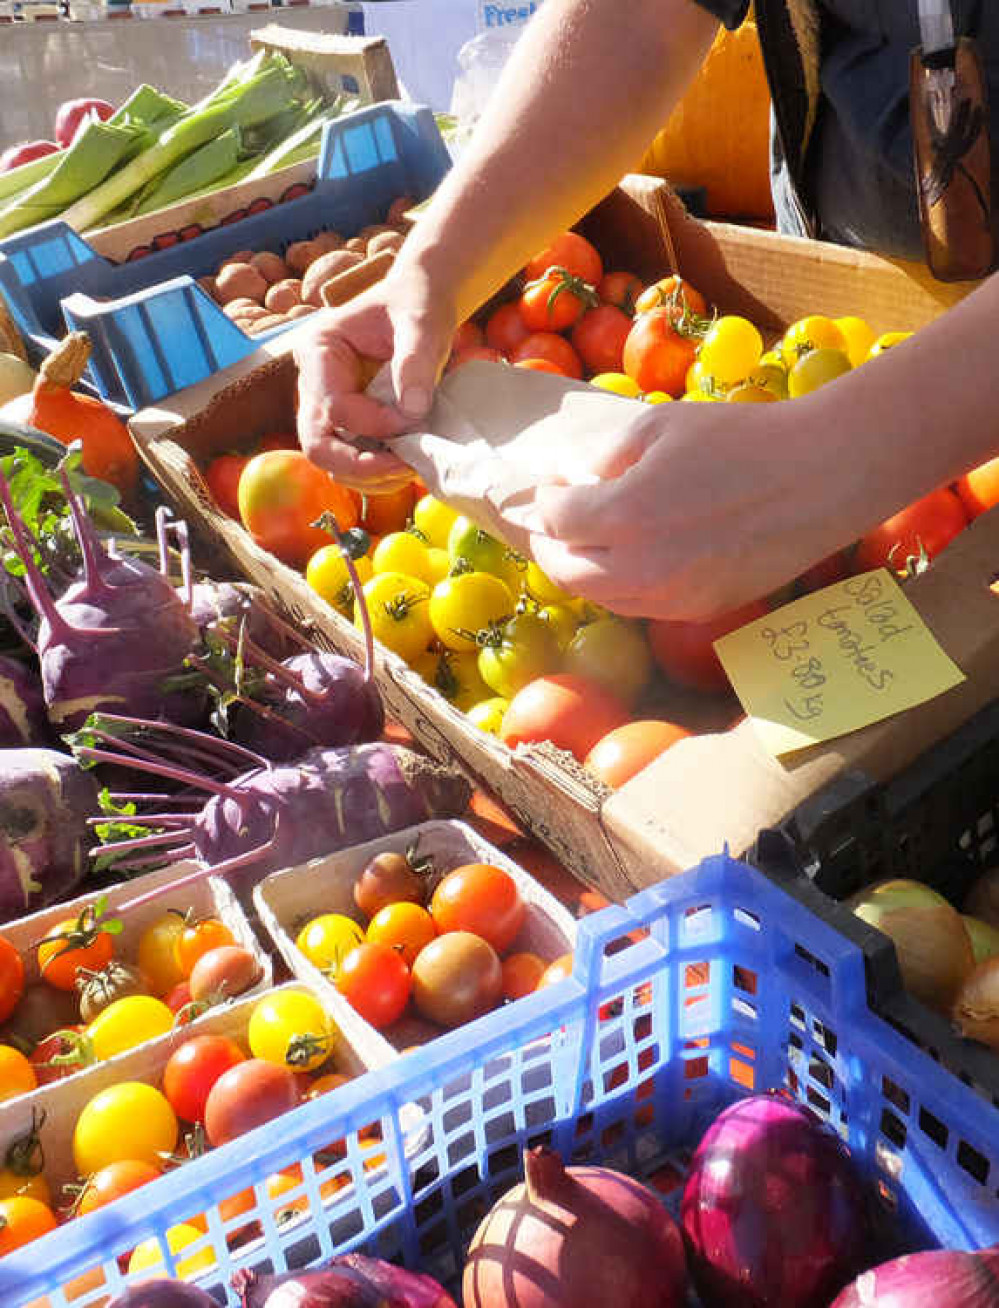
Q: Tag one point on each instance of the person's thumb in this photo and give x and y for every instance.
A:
(416, 361)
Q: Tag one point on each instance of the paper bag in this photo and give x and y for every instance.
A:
(495, 434)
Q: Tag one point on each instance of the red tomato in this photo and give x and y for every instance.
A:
(684, 650)
(474, 352)
(505, 329)
(193, 1069)
(480, 898)
(61, 1044)
(924, 527)
(656, 356)
(468, 335)
(555, 349)
(625, 751)
(541, 365)
(599, 338)
(621, 289)
(376, 981)
(222, 478)
(979, 488)
(179, 997)
(554, 302)
(672, 293)
(572, 712)
(572, 252)
(281, 494)
(382, 514)
(11, 978)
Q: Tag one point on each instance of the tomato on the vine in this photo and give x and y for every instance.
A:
(196, 939)
(656, 355)
(814, 332)
(685, 650)
(506, 328)
(621, 289)
(11, 978)
(376, 981)
(400, 613)
(222, 479)
(918, 531)
(193, 1069)
(462, 606)
(572, 252)
(599, 338)
(555, 301)
(483, 899)
(281, 494)
(550, 348)
(522, 649)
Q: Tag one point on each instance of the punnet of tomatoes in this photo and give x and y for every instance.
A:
(80, 985)
(90, 1143)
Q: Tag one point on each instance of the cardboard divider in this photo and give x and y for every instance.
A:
(717, 787)
(286, 901)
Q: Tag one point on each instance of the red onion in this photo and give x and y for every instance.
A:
(576, 1237)
(163, 1293)
(939, 1279)
(350, 1281)
(772, 1211)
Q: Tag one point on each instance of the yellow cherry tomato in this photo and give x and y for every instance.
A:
(157, 954)
(487, 715)
(700, 397)
(656, 397)
(815, 332)
(327, 574)
(455, 675)
(815, 369)
(33, 1186)
(290, 1028)
(542, 588)
(749, 393)
(730, 350)
(771, 376)
(399, 611)
(464, 605)
(127, 1121)
(618, 383)
(328, 939)
(401, 551)
(440, 564)
(404, 927)
(434, 520)
(885, 342)
(859, 337)
(564, 621)
(128, 1022)
(473, 548)
(148, 1254)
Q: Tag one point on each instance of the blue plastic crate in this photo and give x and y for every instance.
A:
(736, 987)
(154, 331)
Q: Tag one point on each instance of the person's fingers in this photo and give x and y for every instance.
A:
(622, 450)
(416, 361)
(359, 468)
(581, 515)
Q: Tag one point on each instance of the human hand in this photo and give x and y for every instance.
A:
(704, 507)
(398, 321)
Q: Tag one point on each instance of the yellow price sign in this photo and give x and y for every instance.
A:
(835, 661)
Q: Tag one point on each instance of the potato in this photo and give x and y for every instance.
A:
(241, 256)
(243, 309)
(208, 284)
(396, 216)
(271, 267)
(390, 240)
(357, 245)
(374, 229)
(264, 324)
(320, 272)
(327, 242)
(284, 295)
(300, 311)
(298, 256)
(240, 280)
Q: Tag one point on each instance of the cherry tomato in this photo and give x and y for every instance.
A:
(770, 377)
(400, 613)
(467, 335)
(614, 654)
(480, 353)
(541, 587)
(433, 519)
(554, 302)
(456, 676)
(126, 1023)
(656, 355)
(387, 878)
(979, 488)
(148, 1255)
(248, 1095)
(673, 293)
(376, 981)
(383, 512)
(281, 493)
(11, 978)
(462, 606)
(328, 939)
(748, 393)
(730, 350)
(193, 1069)
(506, 329)
(521, 650)
(858, 336)
(685, 650)
(885, 342)
(179, 997)
(404, 927)
(599, 338)
(61, 1054)
(126, 1121)
(22, 1220)
(521, 974)
(555, 972)
(31, 1185)
(402, 552)
(456, 978)
(553, 349)
(622, 290)
(85, 941)
(197, 938)
(618, 383)
(480, 898)
(481, 552)
(625, 751)
(814, 369)
(222, 479)
(816, 332)
(111, 1182)
(290, 1028)
(571, 712)
(923, 528)
(488, 714)
(572, 252)
(157, 953)
(17, 1076)
(326, 572)
(563, 620)
(541, 365)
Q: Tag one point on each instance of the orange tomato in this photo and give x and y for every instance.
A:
(541, 365)
(656, 355)
(114, 1180)
(23, 1220)
(11, 978)
(385, 513)
(626, 750)
(197, 938)
(481, 898)
(281, 493)
(482, 352)
(572, 712)
(77, 942)
(672, 293)
(925, 527)
(622, 289)
(404, 927)
(555, 972)
(521, 974)
(555, 349)
(979, 488)
(506, 329)
(17, 1076)
(572, 252)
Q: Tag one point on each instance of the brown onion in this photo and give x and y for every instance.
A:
(933, 947)
(984, 938)
(982, 900)
(976, 1008)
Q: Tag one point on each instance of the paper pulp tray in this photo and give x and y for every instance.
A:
(717, 787)
(153, 329)
(287, 900)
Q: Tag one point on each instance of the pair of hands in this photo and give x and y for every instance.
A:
(700, 507)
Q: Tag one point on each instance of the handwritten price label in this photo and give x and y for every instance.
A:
(835, 661)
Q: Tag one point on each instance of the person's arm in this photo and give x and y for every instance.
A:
(708, 506)
(583, 94)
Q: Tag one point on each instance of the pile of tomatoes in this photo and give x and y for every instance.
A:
(441, 948)
(91, 1003)
(210, 1090)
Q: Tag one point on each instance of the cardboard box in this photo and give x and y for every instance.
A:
(718, 787)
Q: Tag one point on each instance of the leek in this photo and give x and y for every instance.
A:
(16, 180)
(250, 94)
(301, 145)
(197, 171)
